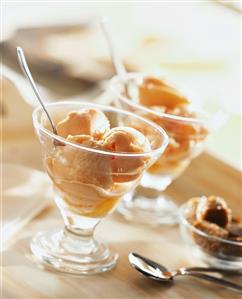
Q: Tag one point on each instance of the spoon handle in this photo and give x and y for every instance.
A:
(24, 67)
(213, 269)
(211, 278)
(113, 51)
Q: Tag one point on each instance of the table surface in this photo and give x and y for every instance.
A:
(23, 279)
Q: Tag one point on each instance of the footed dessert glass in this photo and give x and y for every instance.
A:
(187, 131)
(89, 182)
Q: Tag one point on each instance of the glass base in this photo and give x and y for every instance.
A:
(148, 206)
(65, 252)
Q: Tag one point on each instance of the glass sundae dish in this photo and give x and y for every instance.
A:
(161, 102)
(96, 158)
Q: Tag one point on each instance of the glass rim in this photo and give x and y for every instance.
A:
(89, 149)
(137, 75)
(184, 222)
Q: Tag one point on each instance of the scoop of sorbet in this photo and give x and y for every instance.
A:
(84, 122)
(154, 92)
(70, 164)
(126, 140)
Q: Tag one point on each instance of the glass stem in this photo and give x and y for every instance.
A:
(79, 241)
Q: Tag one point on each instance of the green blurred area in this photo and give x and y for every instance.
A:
(227, 142)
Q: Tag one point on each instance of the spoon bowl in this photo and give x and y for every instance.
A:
(149, 268)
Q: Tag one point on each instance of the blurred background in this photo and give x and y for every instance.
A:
(196, 42)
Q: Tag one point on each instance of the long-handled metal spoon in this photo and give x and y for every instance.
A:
(194, 269)
(118, 64)
(157, 271)
(24, 67)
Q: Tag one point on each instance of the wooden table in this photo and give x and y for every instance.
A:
(23, 279)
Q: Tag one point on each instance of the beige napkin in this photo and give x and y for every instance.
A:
(25, 193)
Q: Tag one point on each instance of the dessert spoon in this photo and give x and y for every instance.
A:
(118, 64)
(25, 69)
(157, 271)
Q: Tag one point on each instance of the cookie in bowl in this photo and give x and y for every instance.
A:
(212, 233)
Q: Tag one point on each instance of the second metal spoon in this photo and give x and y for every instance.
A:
(118, 64)
(156, 271)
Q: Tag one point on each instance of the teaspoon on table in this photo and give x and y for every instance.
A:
(157, 271)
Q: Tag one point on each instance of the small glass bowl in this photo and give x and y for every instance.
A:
(214, 251)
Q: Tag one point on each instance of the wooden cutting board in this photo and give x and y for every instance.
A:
(74, 53)
(79, 55)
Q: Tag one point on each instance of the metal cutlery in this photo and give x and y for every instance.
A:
(157, 271)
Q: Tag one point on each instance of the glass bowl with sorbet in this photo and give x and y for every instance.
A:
(165, 103)
(95, 158)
